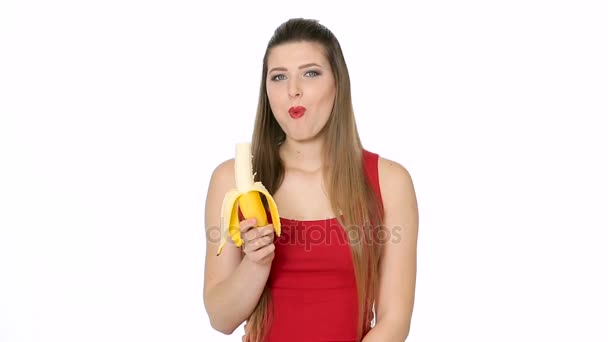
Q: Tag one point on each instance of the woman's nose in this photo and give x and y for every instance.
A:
(294, 89)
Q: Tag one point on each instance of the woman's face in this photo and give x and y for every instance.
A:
(301, 88)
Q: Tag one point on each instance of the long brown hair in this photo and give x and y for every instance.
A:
(351, 195)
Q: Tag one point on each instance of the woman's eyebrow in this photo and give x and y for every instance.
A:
(301, 67)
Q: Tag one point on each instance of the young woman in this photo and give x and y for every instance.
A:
(346, 257)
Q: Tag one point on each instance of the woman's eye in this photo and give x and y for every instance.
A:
(312, 73)
(281, 77)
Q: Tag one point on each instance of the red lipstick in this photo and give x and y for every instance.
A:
(297, 112)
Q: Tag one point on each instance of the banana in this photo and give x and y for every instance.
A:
(247, 197)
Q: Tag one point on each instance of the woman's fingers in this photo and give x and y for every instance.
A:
(246, 225)
(254, 234)
(258, 243)
(262, 255)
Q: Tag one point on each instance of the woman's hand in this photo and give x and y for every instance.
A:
(258, 242)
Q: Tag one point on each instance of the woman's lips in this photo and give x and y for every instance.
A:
(297, 112)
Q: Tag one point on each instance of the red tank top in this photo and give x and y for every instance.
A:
(312, 279)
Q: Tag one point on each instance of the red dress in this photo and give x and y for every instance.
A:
(312, 280)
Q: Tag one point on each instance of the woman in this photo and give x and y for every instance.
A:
(349, 218)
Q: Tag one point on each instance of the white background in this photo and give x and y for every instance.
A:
(113, 115)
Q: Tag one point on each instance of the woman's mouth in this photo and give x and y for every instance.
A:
(297, 112)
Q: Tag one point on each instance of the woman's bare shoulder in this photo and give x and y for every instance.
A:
(394, 178)
(392, 170)
(223, 174)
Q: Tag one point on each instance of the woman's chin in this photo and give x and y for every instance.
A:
(302, 137)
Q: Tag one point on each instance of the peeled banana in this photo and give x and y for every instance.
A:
(247, 198)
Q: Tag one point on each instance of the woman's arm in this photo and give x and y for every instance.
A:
(233, 284)
(395, 301)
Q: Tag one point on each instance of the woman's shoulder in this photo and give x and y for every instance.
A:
(391, 168)
(384, 163)
(391, 173)
(396, 183)
(223, 174)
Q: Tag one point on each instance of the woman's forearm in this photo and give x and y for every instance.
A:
(230, 302)
(387, 332)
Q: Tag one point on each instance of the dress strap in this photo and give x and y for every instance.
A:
(370, 163)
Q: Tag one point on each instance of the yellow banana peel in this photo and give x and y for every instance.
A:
(247, 198)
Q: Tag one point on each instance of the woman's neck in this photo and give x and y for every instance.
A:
(306, 156)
